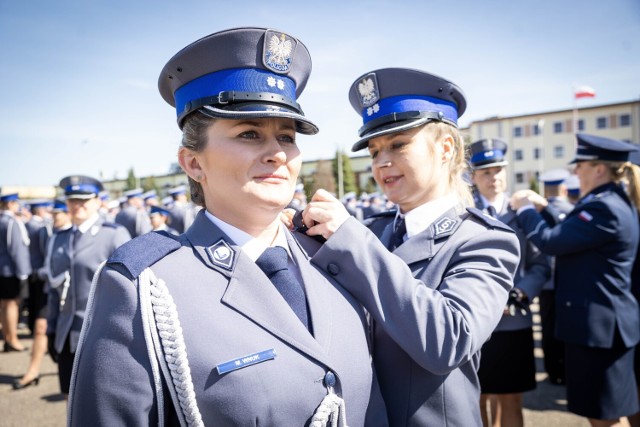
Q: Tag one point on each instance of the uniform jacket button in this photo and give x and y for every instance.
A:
(333, 269)
(329, 379)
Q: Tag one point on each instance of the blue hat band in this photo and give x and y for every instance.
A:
(485, 156)
(593, 153)
(9, 197)
(250, 80)
(81, 189)
(406, 103)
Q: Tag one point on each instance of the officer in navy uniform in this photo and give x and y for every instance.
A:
(595, 246)
(15, 268)
(247, 331)
(434, 275)
(555, 191)
(160, 218)
(573, 189)
(507, 369)
(73, 256)
(133, 215)
(182, 212)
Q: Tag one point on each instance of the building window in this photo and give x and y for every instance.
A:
(537, 153)
(517, 131)
(518, 155)
(536, 129)
(580, 124)
(625, 120)
(519, 177)
(558, 127)
(601, 123)
(558, 151)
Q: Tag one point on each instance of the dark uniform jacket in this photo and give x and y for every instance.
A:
(228, 310)
(595, 247)
(435, 301)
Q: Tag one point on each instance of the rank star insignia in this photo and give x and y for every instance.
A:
(221, 254)
(444, 225)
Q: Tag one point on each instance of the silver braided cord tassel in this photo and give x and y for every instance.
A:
(172, 341)
(332, 408)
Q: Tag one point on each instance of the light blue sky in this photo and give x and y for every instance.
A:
(80, 76)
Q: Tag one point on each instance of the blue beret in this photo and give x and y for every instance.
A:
(573, 184)
(592, 147)
(239, 73)
(9, 197)
(60, 205)
(40, 203)
(395, 99)
(180, 189)
(554, 176)
(80, 187)
(135, 192)
(151, 194)
(157, 210)
(487, 153)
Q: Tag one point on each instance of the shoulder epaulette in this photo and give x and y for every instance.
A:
(143, 251)
(112, 224)
(488, 220)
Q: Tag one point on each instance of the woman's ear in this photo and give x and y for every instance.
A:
(190, 163)
(448, 147)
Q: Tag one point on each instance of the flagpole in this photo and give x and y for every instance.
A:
(575, 110)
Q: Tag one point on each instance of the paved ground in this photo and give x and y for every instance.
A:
(43, 406)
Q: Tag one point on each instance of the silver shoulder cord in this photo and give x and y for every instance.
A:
(166, 338)
(157, 309)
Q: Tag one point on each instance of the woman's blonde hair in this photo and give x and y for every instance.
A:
(458, 164)
(194, 138)
(628, 173)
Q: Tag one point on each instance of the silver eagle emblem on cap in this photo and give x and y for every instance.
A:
(278, 51)
(368, 90)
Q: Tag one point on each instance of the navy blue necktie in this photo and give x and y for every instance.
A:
(274, 263)
(399, 230)
(492, 211)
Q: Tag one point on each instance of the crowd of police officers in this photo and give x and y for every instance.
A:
(38, 268)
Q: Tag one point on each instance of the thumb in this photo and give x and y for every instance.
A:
(322, 195)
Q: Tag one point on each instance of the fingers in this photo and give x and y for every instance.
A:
(324, 214)
(286, 217)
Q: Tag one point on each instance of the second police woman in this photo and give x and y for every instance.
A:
(434, 276)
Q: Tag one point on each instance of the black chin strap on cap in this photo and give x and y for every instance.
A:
(401, 117)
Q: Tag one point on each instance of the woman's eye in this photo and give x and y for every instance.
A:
(373, 154)
(397, 145)
(249, 135)
(288, 139)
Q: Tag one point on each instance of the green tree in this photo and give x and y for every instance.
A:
(132, 181)
(323, 178)
(533, 185)
(348, 177)
(149, 184)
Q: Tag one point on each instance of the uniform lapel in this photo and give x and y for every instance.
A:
(251, 293)
(87, 238)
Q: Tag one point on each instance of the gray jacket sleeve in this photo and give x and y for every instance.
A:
(113, 353)
(440, 324)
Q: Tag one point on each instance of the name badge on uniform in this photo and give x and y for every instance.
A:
(245, 361)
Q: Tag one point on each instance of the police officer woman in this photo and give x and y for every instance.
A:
(434, 275)
(74, 255)
(595, 246)
(15, 267)
(508, 366)
(230, 314)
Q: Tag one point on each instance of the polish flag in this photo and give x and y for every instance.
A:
(584, 92)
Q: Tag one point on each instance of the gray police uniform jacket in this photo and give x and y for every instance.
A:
(182, 216)
(80, 262)
(595, 247)
(435, 301)
(534, 270)
(39, 232)
(136, 221)
(15, 260)
(229, 311)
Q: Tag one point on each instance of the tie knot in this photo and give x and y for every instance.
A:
(272, 260)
